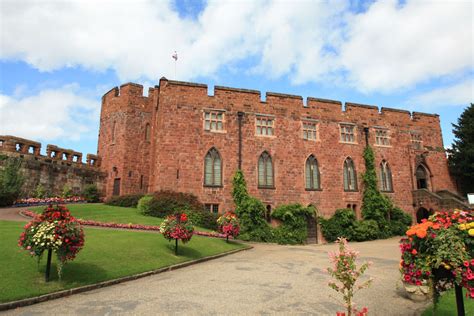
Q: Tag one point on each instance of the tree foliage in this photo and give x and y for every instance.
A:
(11, 181)
(461, 155)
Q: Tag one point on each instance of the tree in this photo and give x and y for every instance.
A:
(461, 155)
(11, 181)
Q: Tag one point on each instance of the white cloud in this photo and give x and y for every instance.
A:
(391, 47)
(50, 114)
(458, 94)
(385, 48)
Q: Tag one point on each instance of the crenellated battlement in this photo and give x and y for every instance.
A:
(25, 147)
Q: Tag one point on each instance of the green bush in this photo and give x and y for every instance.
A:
(125, 200)
(11, 181)
(203, 218)
(399, 222)
(260, 234)
(365, 230)
(341, 224)
(67, 192)
(91, 193)
(39, 192)
(143, 204)
(165, 203)
(294, 223)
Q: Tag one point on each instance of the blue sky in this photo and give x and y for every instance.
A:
(58, 58)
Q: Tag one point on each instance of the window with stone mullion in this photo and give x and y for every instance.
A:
(212, 168)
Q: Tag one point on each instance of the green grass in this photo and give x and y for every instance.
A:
(447, 305)
(108, 254)
(111, 214)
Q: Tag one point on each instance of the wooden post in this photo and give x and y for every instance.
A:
(48, 265)
(459, 300)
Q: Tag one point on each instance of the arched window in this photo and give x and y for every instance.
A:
(421, 177)
(213, 168)
(265, 171)
(312, 173)
(385, 177)
(147, 132)
(350, 178)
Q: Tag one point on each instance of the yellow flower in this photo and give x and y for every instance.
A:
(462, 226)
(471, 232)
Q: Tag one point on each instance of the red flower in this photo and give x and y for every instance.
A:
(466, 263)
(414, 252)
(184, 217)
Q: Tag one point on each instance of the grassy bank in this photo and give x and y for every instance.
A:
(108, 254)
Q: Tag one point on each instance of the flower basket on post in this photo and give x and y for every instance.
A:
(54, 230)
(439, 253)
(229, 225)
(177, 227)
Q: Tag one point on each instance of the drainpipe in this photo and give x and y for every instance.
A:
(240, 116)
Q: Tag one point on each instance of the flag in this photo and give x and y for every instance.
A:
(175, 56)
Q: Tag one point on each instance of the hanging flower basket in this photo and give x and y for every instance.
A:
(438, 254)
(54, 230)
(229, 225)
(177, 227)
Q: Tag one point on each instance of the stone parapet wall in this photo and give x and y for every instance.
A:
(59, 168)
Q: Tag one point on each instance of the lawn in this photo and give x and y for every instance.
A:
(447, 305)
(110, 214)
(108, 254)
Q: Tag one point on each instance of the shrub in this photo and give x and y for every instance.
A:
(399, 222)
(294, 223)
(67, 192)
(365, 230)
(143, 205)
(165, 203)
(91, 193)
(339, 225)
(125, 200)
(39, 192)
(203, 218)
(250, 211)
(11, 181)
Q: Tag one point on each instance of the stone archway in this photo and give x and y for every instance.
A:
(421, 214)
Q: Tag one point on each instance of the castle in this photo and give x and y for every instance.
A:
(180, 138)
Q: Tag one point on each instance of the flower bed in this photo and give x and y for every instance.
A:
(439, 252)
(127, 226)
(48, 201)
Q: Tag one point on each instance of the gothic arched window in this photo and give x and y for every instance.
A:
(385, 177)
(212, 168)
(312, 174)
(350, 177)
(265, 171)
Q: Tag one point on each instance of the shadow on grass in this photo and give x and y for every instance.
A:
(76, 273)
(184, 251)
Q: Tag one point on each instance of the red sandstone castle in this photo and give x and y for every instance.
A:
(180, 138)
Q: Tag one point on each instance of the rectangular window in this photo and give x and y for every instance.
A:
(381, 137)
(347, 133)
(309, 130)
(213, 121)
(264, 125)
(212, 208)
(416, 141)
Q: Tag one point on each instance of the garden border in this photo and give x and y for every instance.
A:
(85, 288)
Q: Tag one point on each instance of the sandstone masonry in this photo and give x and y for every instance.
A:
(60, 167)
(160, 141)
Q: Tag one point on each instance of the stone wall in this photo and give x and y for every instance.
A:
(59, 168)
(173, 157)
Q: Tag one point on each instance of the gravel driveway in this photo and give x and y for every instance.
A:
(268, 279)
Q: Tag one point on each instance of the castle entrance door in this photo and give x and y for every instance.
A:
(116, 190)
(312, 229)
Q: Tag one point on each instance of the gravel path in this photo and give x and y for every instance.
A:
(268, 279)
(12, 214)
